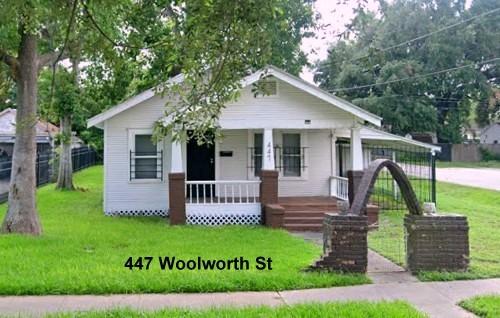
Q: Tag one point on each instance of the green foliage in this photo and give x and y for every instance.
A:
(440, 103)
(487, 306)
(487, 155)
(352, 309)
(83, 251)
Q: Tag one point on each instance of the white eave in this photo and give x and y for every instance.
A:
(373, 134)
(250, 79)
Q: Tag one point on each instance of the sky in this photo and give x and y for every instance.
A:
(334, 16)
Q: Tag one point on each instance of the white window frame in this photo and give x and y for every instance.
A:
(131, 148)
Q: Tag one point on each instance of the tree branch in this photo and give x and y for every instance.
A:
(8, 59)
(51, 58)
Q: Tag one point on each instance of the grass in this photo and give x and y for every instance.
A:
(359, 309)
(481, 208)
(82, 251)
(487, 306)
(458, 164)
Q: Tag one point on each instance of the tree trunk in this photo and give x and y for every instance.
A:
(65, 173)
(22, 216)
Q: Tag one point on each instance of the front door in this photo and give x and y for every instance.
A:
(200, 166)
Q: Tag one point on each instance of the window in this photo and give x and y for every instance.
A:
(257, 153)
(266, 88)
(291, 155)
(146, 159)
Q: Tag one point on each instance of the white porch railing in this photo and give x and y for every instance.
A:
(339, 187)
(222, 192)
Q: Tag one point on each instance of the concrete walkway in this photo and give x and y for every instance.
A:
(438, 299)
(487, 178)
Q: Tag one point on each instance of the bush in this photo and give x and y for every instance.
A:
(487, 155)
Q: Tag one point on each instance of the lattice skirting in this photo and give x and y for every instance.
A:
(225, 219)
(150, 212)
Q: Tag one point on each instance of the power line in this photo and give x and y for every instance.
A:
(426, 35)
(342, 89)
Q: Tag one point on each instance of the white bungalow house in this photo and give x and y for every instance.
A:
(293, 130)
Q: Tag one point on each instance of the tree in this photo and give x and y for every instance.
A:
(387, 63)
(22, 30)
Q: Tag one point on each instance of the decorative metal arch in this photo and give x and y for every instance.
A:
(365, 187)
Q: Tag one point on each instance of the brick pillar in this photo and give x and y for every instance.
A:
(269, 196)
(268, 187)
(437, 242)
(177, 198)
(354, 177)
(345, 244)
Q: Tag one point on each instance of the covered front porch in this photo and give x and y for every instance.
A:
(224, 183)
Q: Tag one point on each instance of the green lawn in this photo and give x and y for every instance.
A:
(482, 210)
(83, 252)
(458, 164)
(483, 306)
(360, 309)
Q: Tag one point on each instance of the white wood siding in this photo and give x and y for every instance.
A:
(121, 194)
(289, 109)
(317, 174)
(235, 167)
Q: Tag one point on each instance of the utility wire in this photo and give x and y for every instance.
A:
(342, 89)
(426, 35)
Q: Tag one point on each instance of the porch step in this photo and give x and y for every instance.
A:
(303, 227)
(303, 220)
(305, 214)
(317, 207)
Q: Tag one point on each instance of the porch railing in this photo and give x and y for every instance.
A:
(222, 192)
(339, 187)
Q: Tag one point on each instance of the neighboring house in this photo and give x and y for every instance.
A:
(45, 133)
(490, 134)
(293, 130)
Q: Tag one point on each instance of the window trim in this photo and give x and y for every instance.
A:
(131, 148)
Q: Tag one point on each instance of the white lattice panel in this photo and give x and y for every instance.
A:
(222, 214)
(226, 219)
(156, 212)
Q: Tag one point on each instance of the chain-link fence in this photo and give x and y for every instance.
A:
(418, 164)
(82, 158)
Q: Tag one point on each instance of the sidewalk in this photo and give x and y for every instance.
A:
(438, 299)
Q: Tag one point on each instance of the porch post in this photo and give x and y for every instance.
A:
(269, 182)
(356, 173)
(176, 186)
(333, 163)
(268, 150)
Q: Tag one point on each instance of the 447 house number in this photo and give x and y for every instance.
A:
(199, 263)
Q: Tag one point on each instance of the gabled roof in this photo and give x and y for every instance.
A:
(8, 124)
(250, 79)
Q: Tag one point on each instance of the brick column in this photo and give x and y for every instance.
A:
(268, 187)
(177, 198)
(437, 242)
(345, 244)
(354, 177)
(269, 196)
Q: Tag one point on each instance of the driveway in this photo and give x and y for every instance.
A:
(487, 178)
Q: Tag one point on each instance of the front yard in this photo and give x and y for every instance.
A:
(83, 252)
(482, 210)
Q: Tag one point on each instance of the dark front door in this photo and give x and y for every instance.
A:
(200, 167)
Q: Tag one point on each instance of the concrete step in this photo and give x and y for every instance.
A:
(303, 220)
(304, 227)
